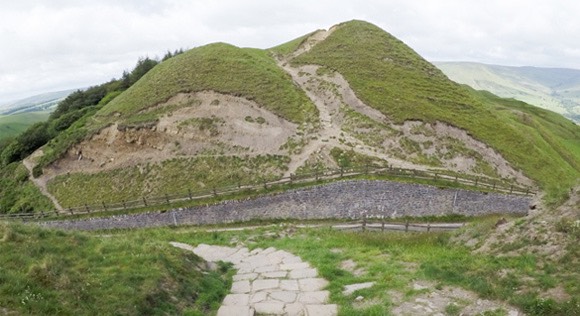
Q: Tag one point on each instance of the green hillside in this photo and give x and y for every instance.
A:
(389, 76)
(13, 125)
(244, 72)
(381, 70)
(555, 89)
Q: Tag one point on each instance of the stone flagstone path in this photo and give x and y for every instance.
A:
(268, 281)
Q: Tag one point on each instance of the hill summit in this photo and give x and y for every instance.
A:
(219, 115)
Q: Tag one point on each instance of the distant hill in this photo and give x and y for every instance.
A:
(42, 102)
(12, 125)
(555, 89)
(17, 116)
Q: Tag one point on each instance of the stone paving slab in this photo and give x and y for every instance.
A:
(269, 281)
(237, 299)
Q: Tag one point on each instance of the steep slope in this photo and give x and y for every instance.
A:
(219, 115)
(554, 89)
(388, 76)
(193, 121)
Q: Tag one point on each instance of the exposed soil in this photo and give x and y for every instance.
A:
(432, 300)
(40, 182)
(329, 92)
(538, 231)
(352, 267)
(214, 125)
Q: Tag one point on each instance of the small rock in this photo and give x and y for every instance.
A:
(359, 298)
(349, 289)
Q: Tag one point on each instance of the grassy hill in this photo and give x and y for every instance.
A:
(393, 79)
(555, 89)
(17, 116)
(13, 125)
(218, 115)
(245, 72)
(41, 102)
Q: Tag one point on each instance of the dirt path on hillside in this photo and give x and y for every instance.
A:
(328, 93)
(331, 91)
(40, 182)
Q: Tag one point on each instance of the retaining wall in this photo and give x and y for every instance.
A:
(340, 200)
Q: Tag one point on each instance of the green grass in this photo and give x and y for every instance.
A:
(17, 193)
(47, 272)
(244, 72)
(173, 176)
(396, 260)
(13, 125)
(291, 46)
(392, 78)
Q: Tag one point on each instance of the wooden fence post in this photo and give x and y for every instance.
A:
(166, 198)
(364, 223)
(341, 171)
(145, 201)
(382, 223)
(104, 206)
(189, 192)
(511, 188)
(71, 211)
(87, 208)
(124, 205)
(406, 225)
(476, 180)
(428, 227)
(493, 185)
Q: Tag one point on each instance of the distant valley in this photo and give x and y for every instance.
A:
(555, 89)
(17, 116)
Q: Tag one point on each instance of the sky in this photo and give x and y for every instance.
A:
(66, 44)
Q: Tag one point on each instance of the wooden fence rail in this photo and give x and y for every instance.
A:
(486, 183)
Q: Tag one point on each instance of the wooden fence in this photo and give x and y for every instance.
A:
(478, 183)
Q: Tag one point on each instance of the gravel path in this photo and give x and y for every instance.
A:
(269, 281)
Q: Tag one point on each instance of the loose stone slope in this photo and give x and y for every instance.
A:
(268, 281)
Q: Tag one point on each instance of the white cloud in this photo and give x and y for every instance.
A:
(60, 44)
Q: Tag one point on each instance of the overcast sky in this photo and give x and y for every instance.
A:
(63, 44)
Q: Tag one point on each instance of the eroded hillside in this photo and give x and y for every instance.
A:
(219, 115)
